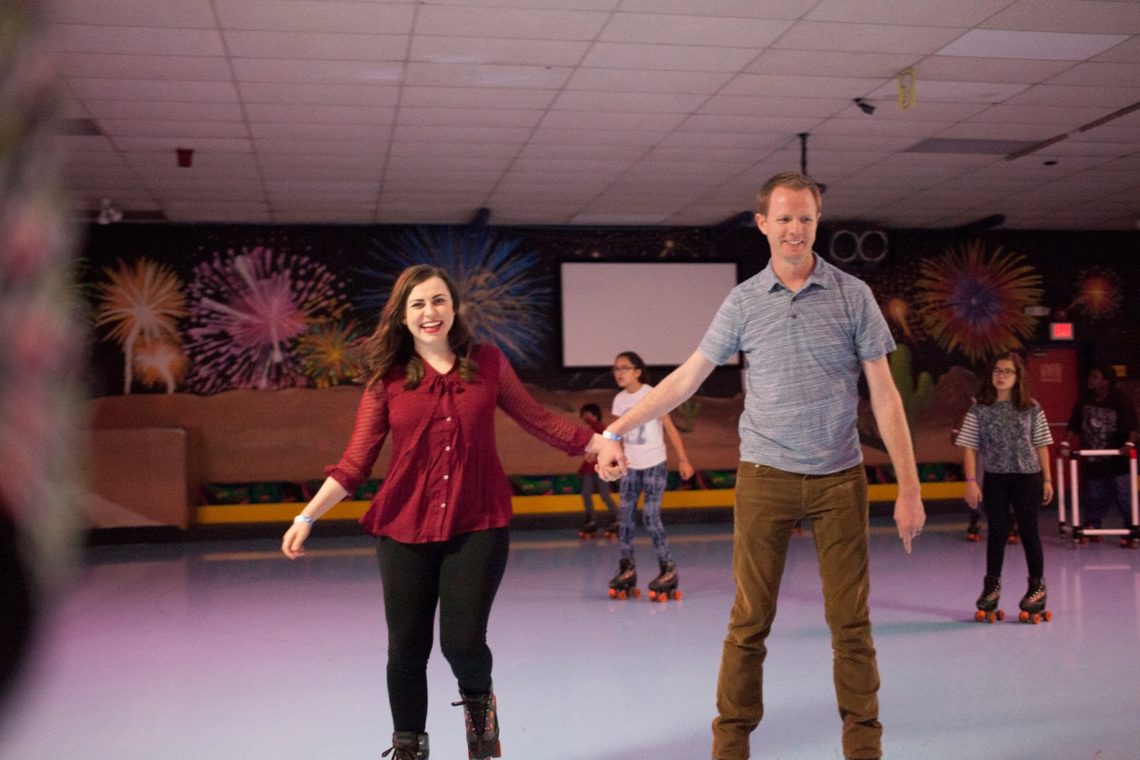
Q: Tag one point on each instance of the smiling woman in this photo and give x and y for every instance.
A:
(441, 515)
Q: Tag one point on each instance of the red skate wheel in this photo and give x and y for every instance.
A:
(1000, 614)
(678, 595)
(652, 595)
(1048, 616)
(636, 593)
(613, 593)
(979, 616)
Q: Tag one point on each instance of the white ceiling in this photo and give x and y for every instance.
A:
(602, 111)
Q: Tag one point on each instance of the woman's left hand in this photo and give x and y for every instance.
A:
(1047, 495)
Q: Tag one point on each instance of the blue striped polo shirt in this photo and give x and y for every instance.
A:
(803, 352)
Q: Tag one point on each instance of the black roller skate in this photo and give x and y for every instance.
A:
(612, 529)
(624, 584)
(664, 586)
(1033, 603)
(588, 529)
(987, 603)
(407, 745)
(974, 529)
(481, 717)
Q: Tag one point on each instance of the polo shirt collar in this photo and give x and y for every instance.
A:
(822, 276)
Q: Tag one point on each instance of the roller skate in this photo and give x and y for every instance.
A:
(974, 529)
(624, 584)
(481, 717)
(407, 745)
(588, 529)
(612, 529)
(664, 586)
(987, 603)
(1033, 603)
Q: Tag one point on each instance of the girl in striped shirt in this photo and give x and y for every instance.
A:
(1008, 428)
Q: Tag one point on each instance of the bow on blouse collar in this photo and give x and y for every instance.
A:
(449, 383)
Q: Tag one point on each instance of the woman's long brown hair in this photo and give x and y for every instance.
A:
(1019, 394)
(391, 344)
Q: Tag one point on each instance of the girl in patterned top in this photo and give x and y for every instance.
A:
(1008, 428)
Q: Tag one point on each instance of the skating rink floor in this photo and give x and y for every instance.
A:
(224, 649)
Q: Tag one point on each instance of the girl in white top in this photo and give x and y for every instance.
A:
(644, 448)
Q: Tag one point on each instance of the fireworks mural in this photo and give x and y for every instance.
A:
(503, 295)
(329, 354)
(249, 311)
(973, 302)
(1099, 294)
(142, 303)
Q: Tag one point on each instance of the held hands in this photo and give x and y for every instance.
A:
(293, 542)
(611, 460)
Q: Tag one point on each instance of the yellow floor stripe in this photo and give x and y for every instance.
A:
(235, 514)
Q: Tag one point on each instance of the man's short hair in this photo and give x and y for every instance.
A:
(792, 181)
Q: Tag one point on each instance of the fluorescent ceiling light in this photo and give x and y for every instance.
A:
(1041, 46)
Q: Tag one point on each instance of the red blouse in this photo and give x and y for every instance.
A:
(444, 476)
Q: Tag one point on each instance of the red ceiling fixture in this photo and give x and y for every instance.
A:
(185, 156)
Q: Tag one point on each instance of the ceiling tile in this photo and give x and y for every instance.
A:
(288, 93)
(508, 98)
(242, 43)
(657, 122)
(126, 40)
(1088, 16)
(171, 67)
(475, 75)
(761, 85)
(433, 49)
(334, 72)
(1046, 46)
(865, 38)
(961, 13)
(835, 63)
(172, 13)
(311, 113)
(143, 89)
(324, 16)
(168, 110)
(523, 23)
(644, 102)
(689, 30)
(970, 69)
(667, 57)
(184, 128)
(471, 117)
(644, 80)
(1100, 75)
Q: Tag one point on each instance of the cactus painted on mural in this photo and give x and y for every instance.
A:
(915, 393)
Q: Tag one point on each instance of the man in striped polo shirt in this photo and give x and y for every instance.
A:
(808, 330)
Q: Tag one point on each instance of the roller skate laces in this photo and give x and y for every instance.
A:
(1033, 603)
(481, 718)
(407, 745)
(987, 603)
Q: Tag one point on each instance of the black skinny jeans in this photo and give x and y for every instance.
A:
(462, 574)
(1022, 492)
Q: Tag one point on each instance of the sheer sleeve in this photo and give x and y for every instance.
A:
(368, 434)
(535, 418)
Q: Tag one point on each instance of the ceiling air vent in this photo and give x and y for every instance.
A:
(971, 147)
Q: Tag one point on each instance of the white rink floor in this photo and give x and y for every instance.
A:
(225, 650)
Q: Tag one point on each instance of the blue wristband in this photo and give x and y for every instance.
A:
(610, 436)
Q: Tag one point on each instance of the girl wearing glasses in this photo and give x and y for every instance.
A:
(644, 448)
(1008, 428)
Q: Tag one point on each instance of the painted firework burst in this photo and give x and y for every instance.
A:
(502, 299)
(1099, 293)
(143, 300)
(330, 353)
(974, 303)
(248, 311)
